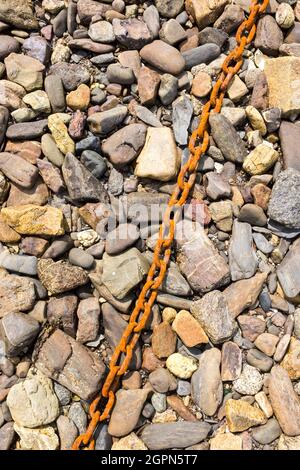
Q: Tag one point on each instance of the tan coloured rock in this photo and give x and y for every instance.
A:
(282, 74)
(159, 158)
(7, 234)
(260, 160)
(130, 442)
(291, 361)
(205, 12)
(226, 441)
(31, 219)
(284, 401)
(241, 415)
(24, 70)
(201, 84)
(79, 98)
(256, 119)
(60, 134)
(126, 412)
(221, 213)
(243, 294)
(189, 329)
(163, 340)
(266, 343)
(11, 95)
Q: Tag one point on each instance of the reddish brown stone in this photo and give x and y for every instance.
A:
(231, 365)
(28, 150)
(148, 83)
(61, 310)
(177, 404)
(150, 361)
(261, 195)
(251, 326)
(259, 98)
(50, 175)
(34, 246)
(76, 126)
(163, 340)
(38, 194)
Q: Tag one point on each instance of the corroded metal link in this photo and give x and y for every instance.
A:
(198, 145)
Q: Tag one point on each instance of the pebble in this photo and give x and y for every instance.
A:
(200, 55)
(188, 329)
(163, 57)
(284, 401)
(60, 276)
(163, 340)
(18, 331)
(182, 111)
(149, 162)
(283, 203)
(25, 71)
(162, 381)
(130, 442)
(213, 315)
(207, 388)
(67, 432)
(231, 365)
(124, 145)
(242, 259)
(240, 415)
(127, 410)
(82, 185)
(131, 33)
(227, 138)
(181, 366)
(259, 360)
(267, 433)
(249, 382)
(168, 88)
(105, 121)
(79, 257)
(33, 403)
(31, 219)
(179, 435)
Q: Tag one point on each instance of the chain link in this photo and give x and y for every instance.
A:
(198, 144)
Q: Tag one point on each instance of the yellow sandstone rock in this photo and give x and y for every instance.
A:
(31, 219)
(240, 415)
(205, 12)
(130, 442)
(260, 160)
(291, 361)
(256, 120)
(60, 134)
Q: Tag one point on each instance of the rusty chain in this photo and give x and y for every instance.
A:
(198, 144)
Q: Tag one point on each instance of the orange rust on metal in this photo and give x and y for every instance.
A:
(198, 144)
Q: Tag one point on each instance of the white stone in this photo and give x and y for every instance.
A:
(33, 403)
(43, 438)
(102, 31)
(38, 100)
(250, 381)
(159, 159)
(181, 366)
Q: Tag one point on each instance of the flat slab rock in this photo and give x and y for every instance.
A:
(288, 272)
(174, 435)
(70, 364)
